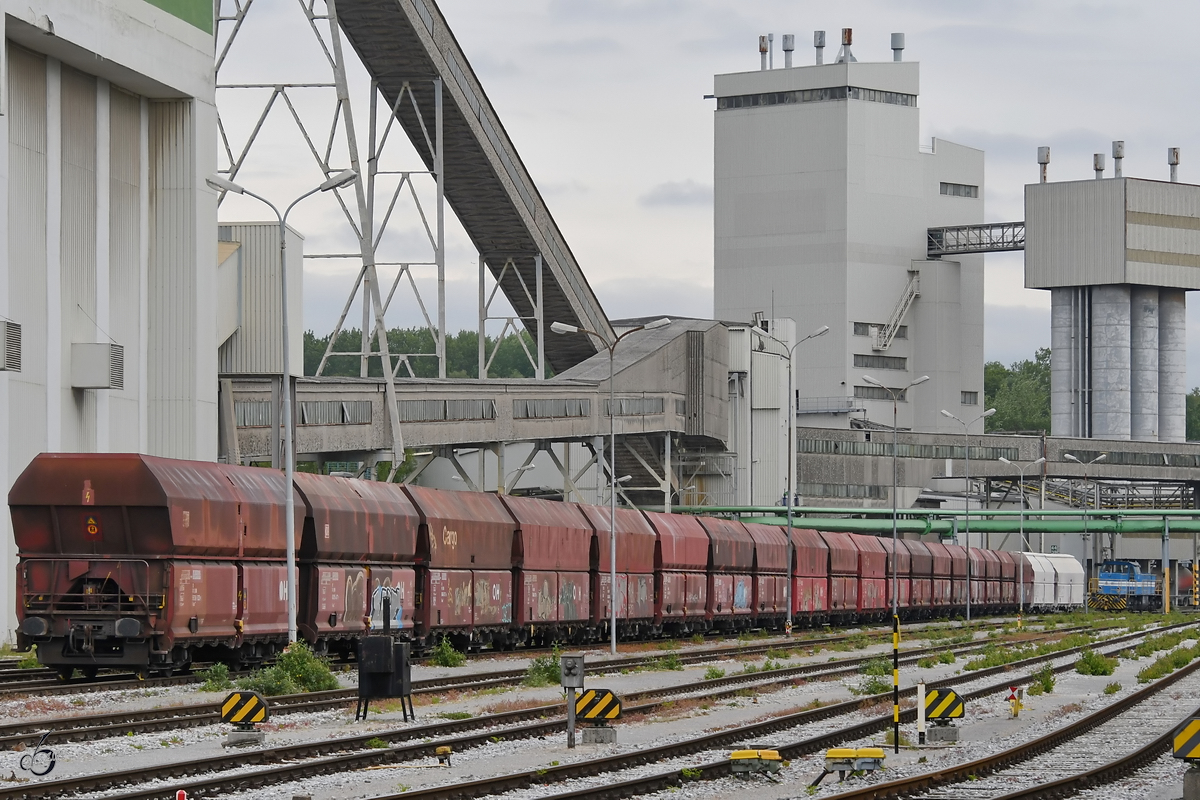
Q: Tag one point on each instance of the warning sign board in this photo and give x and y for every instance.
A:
(943, 704)
(597, 704)
(91, 526)
(244, 708)
(1185, 742)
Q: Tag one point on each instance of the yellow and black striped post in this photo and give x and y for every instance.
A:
(896, 681)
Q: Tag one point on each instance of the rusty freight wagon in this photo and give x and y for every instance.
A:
(810, 581)
(149, 563)
(681, 572)
(464, 567)
(770, 573)
(636, 544)
(551, 557)
(730, 573)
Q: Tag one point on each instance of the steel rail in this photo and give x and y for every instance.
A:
(91, 727)
(358, 760)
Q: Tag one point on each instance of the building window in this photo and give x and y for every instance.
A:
(970, 398)
(879, 393)
(864, 329)
(880, 362)
(959, 190)
(816, 96)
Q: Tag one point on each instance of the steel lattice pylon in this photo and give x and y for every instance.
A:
(336, 149)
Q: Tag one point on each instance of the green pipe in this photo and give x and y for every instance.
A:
(944, 527)
(939, 512)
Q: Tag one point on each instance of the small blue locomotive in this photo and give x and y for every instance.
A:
(1123, 585)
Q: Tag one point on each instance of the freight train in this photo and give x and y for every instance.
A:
(152, 564)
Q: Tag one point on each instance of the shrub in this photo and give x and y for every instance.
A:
(946, 657)
(444, 655)
(872, 685)
(455, 715)
(376, 743)
(1044, 679)
(296, 670)
(216, 678)
(544, 670)
(1092, 663)
(1112, 688)
(927, 662)
(712, 673)
(876, 666)
(669, 662)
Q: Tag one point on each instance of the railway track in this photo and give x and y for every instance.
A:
(1143, 720)
(47, 684)
(86, 728)
(267, 769)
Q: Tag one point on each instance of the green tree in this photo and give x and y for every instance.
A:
(1020, 394)
(462, 354)
(1193, 415)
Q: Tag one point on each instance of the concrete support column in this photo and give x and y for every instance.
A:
(1143, 363)
(1110, 362)
(1172, 365)
(1062, 321)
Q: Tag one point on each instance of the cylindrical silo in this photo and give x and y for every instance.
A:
(1062, 323)
(1143, 363)
(1172, 365)
(1110, 362)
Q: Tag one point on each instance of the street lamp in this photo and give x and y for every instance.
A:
(562, 327)
(895, 395)
(791, 483)
(504, 484)
(289, 459)
(1100, 457)
(1021, 577)
(967, 488)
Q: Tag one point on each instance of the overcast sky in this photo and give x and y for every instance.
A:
(604, 102)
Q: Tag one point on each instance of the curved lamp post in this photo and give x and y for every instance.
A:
(1024, 543)
(504, 485)
(966, 488)
(791, 472)
(1085, 466)
(562, 327)
(895, 395)
(289, 459)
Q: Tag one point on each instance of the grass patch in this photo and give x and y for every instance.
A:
(1112, 688)
(1043, 681)
(505, 706)
(994, 655)
(297, 670)
(1167, 663)
(455, 715)
(445, 655)
(216, 678)
(889, 738)
(872, 685)
(713, 673)
(1092, 663)
(376, 743)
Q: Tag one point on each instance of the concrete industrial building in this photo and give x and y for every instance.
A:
(107, 290)
(1117, 255)
(823, 199)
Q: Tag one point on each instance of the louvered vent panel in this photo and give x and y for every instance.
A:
(116, 366)
(12, 346)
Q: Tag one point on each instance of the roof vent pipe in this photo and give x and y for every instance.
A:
(1118, 154)
(844, 55)
(1098, 165)
(897, 47)
(1043, 160)
(789, 44)
(819, 44)
(1173, 163)
(770, 51)
(762, 53)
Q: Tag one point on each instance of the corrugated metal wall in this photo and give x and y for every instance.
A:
(171, 306)
(124, 254)
(255, 348)
(27, 251)
(78, 242)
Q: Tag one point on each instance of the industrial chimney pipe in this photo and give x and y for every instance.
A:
(1098, 165)
(1173, 163)
(819, 44)
(897, 46)
(1118, 151)
(789, 44)
(1043, 160)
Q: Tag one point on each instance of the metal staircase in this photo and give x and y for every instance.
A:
(883, 337)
